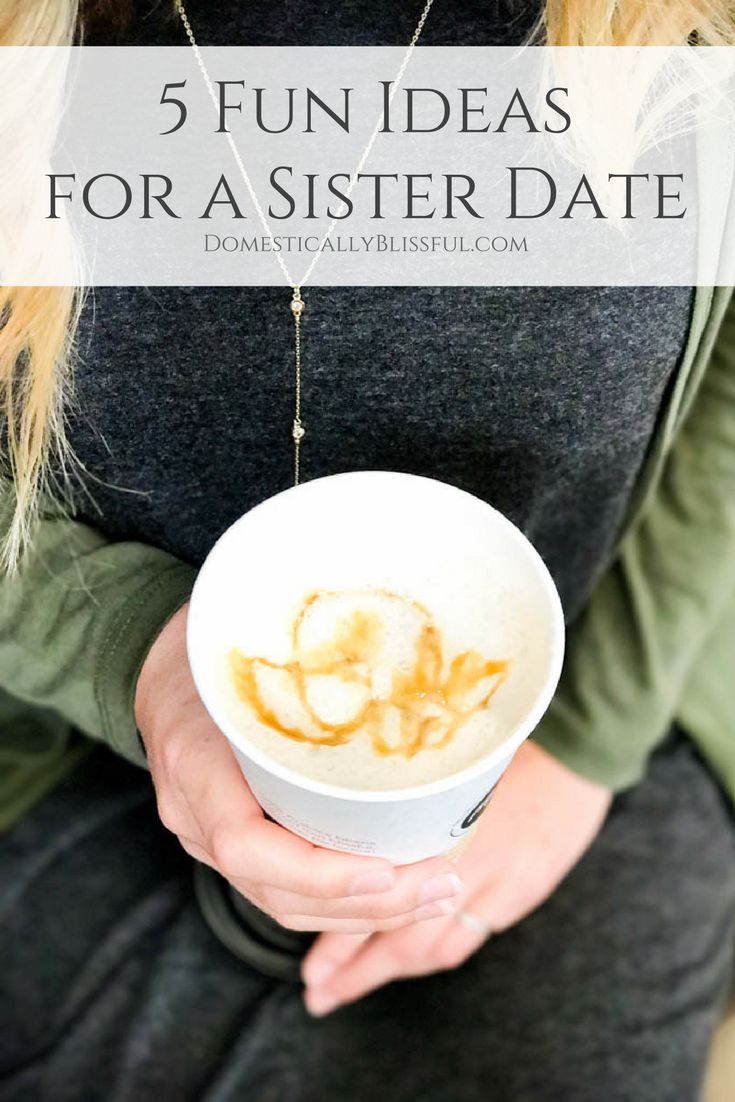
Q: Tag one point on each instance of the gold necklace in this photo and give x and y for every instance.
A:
(297, 302)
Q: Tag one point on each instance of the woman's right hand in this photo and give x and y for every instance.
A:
(204, 799)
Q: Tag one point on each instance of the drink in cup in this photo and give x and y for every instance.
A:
(375, 646)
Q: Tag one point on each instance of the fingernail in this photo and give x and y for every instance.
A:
(440, 887)
(318, 973)
(435, 910)
(319, 1003)
(369, 882)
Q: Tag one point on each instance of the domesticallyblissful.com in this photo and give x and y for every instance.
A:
(375, 243)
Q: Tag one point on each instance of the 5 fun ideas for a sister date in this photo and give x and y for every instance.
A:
(529, 190)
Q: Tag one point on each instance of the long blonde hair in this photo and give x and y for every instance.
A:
(37, 324)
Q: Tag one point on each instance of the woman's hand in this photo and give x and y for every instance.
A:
(538, 824)
(204, 799)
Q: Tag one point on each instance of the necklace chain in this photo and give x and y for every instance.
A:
(297, 303)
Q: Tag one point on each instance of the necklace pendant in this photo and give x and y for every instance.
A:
(297, 304)
(298, 430)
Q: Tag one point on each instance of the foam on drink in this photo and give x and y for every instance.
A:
(368, 697)
(375, 646)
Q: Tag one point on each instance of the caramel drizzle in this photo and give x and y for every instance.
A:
(413, 691)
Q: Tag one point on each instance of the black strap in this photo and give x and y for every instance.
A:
(249, 933)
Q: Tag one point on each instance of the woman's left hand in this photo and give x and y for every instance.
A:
(538, 824)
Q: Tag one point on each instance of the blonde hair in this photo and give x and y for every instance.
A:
(37, 324)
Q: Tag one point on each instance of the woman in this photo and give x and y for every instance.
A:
(602, 421)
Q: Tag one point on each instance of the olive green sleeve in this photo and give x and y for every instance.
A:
(642, 650)
(77, 620)
(707, 705)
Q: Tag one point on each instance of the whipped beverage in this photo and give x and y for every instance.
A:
(367, 696)
(375, 646)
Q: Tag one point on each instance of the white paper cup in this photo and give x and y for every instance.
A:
(481, 579)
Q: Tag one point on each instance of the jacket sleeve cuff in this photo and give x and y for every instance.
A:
(640, 640)
(134, 628)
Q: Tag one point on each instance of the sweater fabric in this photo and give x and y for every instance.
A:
(539, 400)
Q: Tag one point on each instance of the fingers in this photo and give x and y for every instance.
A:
(377, 961)
(264, 852)
(339, 970)
(205, 800)
(196, 851)
(362, 925)
(329, 952)
(289, 877)
(210, 807)
(247, 847)
(210, 788)
(458, 941)
(418, 888)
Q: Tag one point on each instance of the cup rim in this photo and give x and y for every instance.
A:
(425, 789)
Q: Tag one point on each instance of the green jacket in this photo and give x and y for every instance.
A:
(656, 642)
